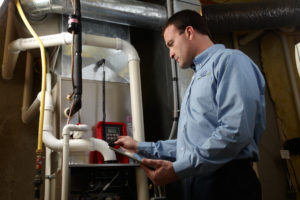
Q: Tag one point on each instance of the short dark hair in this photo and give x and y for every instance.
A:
(185, 18)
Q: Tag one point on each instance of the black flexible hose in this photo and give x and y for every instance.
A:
(252, 16)
(77, 62)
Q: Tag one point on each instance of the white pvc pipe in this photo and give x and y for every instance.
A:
(47, 121)
(135, 83)
(133, 58)
(78, 145)
(249, 37)
(27, 92)
(136, 101)
(291, 73)
(53, 186)
(10, 32)
(65, 168)
(22, 44)
(28, 113)
(47, 174)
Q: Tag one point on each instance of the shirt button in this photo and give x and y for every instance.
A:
(182, 148)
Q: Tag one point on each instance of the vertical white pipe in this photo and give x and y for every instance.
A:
(65, 167)
(48, 127)
(136, 101)
(6, 74)
(137, 122)
(53, 186)
(27, 94)
(291, 73)
(47, 174)
(28, 112)
(65, 164)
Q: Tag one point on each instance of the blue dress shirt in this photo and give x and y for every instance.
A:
(222, 115)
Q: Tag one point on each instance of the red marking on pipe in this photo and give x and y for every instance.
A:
(72, 20)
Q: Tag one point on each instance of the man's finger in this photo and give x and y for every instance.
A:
(120, 140)
(149, 172)
(151, 162)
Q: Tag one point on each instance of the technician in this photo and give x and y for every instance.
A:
(221, 121)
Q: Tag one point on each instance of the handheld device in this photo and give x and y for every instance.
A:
(109, 132)
(129, 155)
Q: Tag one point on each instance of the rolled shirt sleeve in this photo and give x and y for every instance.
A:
(165, 150)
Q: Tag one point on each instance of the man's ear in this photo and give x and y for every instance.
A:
(189, 31)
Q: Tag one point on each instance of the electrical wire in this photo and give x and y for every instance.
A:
(103, 95)
(106, 186)
(69, 115)
(43, 87)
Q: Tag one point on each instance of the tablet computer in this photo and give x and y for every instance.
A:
(129, 155)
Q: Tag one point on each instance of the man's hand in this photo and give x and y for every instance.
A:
(163, 174)
(127, 143)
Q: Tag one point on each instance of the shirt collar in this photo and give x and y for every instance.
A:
(204, 56)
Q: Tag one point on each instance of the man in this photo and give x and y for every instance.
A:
(221, 121)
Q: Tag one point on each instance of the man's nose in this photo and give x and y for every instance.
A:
(172, 54)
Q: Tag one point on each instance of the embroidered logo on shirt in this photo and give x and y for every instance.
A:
(204, 73)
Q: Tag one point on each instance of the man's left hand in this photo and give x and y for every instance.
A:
(163, 174)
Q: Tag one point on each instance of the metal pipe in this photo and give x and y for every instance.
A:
(133, 13)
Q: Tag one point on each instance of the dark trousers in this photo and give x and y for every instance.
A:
(234, 181)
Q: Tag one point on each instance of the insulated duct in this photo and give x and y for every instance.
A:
(134, 13)
(252, 16)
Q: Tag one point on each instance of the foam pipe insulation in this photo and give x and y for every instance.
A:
(252, 16)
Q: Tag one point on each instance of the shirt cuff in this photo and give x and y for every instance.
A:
(183, 169)
(145, 146)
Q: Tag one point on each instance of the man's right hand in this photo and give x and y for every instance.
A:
(128, 143)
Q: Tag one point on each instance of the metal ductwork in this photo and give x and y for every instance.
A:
(220, 17)
(133, 13)
(252, 16)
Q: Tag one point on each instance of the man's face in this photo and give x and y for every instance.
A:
(179, 46)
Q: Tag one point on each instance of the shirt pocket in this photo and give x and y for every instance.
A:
(201, 96)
